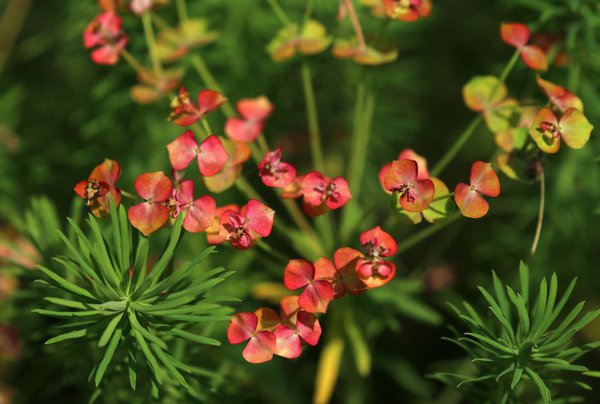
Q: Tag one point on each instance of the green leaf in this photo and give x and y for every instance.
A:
(537, 380)
(516, 377)
(169, 364)
(108, 355)
(108, 331)
(152, 363)
(65, 284)
(521, 310)
(501, 296)
(194, 337)
(66, 336)
(524, 280)
(492, 343)
(68, 303)
(66, 314)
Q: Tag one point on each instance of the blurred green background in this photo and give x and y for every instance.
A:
(60, 115)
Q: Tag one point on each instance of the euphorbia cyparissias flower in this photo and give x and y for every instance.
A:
(312, 39)
(370, 265)
(487, 94)
(253, 112)
(243, 228)
(321, 193)
(517, 35)
(414, 194)
(105, 34)
(484, 181)
(407, 10)
(185, 113)
(213, 232)
(547, 129)
(210, 154)
(199, 213)
(239, 153)
(275, 173)
(99, 186)
(297, 326)
(406, 154)
(318, 291)
(153, 86)
(156, 189)
(174, 43)
(261, 343)
(362, 55)
(559, 96)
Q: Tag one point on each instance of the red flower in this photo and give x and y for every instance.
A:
(99, 185)
(153, 213)
(243, 228)
(317, 292)
(199, 213)
(373, 269)
(294, 189)
(559, 96)
(484, 181)
(322, 193)
(407, 10)
(105, 34)
(517, 35)
(415, 194)
(238, 154)
(213, 232)
(274, 172)
(261, 343)
(185, 113)
(406, 154)
(253, 113)
(210, 154)
(289, 338)
(572, 126)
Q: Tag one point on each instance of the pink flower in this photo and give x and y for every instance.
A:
(148, 216)
(274, 172)
(199, 213)
(105, 34)
(484, 181)
(322, 193)
(406, 154)
(99, 185)
(317, 292)
(210, 154)
(242, 229)
(414, 194)
(253, 112)
(185, 113)
(517, 35)
(261, 343)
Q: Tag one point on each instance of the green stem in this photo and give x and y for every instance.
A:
(151, 42)
(363, 114)
(206, 126)
(426, 233)
(313, 120)
(540, 221)
(181, 10)
(132, 61)
(279, 12)
(210, 82)
(466, 135)
(272, 252)
(456, 147)
(308, 11)
(360, 37)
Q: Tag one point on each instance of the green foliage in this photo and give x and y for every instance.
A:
(522, 339)
(110, 297)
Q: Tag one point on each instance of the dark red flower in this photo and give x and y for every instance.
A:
(105, 34)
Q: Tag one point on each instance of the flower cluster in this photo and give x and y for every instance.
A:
(351, 272)
(524, 128)
(420, 197)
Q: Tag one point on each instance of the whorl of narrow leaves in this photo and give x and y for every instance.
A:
(523, 343)
(132, 313)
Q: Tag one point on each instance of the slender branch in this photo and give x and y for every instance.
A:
(313, 119)
(181, 10)
(279, 12)
(426, 233)
(151, 42)
(272, 252)
(457, 146)
(360, 37)
(131, 60)
(209, 81)
(11, 24)
(308, 11)
(538, 228)
(466, 135)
